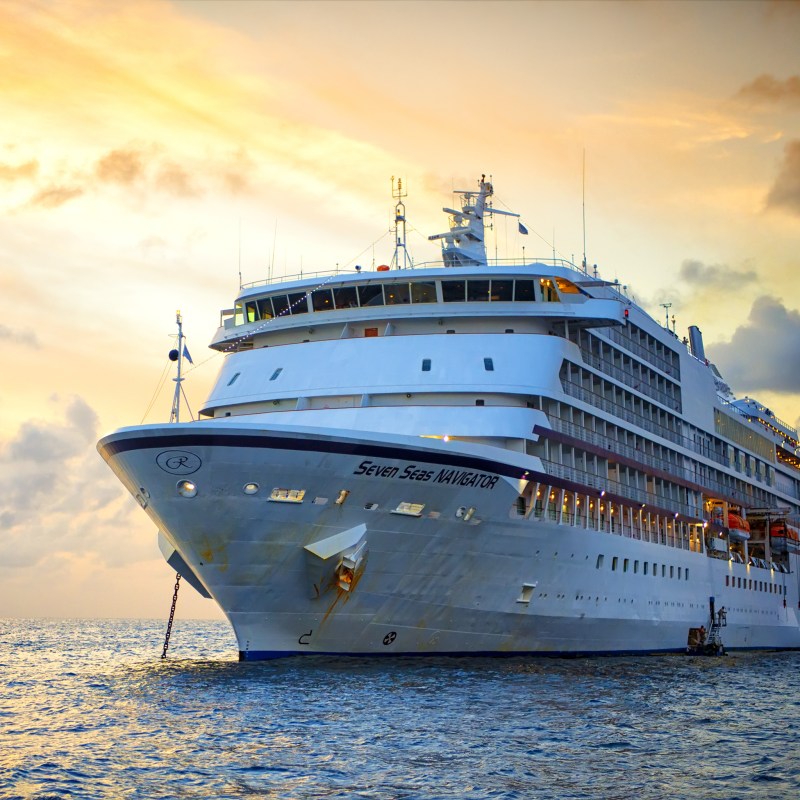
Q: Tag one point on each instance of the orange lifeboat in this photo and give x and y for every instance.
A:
(735, 521)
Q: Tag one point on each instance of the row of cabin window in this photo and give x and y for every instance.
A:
(395, 294)
(488, 364)
(748, 583)
(683, 572)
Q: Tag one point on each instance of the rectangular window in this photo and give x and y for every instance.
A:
(370, 295)
(276, 373)
(477, 291)
(625, 565)
(663, 570)
(635, 567)
(426, 365)
(488, 364)
(281, 305)
(655, 570)
(502, 291)
(672, 572)
(614, 561)
(680, 572)
(345, 297)
(599, 561)
(727, 580)
(454, 291)
(524, 292)
(287, 495)
(368, 332)
(322, 300)
(645, 566)
(265, 308)
(396, 294)
(686, 574)
(251, 311)
(423, 292)
(298, 303)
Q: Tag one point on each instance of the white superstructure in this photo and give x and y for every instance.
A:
(471, 457)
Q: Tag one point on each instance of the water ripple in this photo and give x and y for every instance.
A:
(90, 711)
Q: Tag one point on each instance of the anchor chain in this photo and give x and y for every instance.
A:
(171, 614)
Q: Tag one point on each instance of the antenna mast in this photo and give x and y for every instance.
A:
(399, 226)
(584, 210)
(177, 355)
(666, 307)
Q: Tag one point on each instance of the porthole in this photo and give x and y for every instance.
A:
(250, 488)
(187, 488)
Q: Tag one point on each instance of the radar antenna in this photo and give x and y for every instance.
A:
(399, 226)
(666, 307)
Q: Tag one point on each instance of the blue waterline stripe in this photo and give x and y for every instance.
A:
(271, 655)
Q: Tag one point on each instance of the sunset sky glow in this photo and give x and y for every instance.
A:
(149, 151)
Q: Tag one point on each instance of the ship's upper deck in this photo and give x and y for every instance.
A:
(551, 289)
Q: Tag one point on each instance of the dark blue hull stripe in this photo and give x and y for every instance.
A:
(270, 655)
(189, 439)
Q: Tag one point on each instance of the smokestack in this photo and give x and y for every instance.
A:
(696, 342)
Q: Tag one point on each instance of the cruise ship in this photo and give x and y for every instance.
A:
(472, 456)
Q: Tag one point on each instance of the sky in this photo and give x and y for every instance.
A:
(151, 153)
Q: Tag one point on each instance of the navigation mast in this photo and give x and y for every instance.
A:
(399, 226)
(177, 355)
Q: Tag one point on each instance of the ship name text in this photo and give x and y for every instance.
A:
(411, 472)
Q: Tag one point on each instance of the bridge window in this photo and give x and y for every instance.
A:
(280, 303)
(345, 297)
(322, 300)
(396, 294)
(423, 292)
(370, 295)
(265, 308)
(477, 291)
(454, 291)
(298, 303)
(524, 291)
(502, 291)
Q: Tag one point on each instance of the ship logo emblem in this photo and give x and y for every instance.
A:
(178, 462)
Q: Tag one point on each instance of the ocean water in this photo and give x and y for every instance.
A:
(89, 710)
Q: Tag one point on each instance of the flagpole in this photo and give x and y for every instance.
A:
(175, 416)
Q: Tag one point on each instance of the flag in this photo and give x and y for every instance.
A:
(186, 354)
(522, 229)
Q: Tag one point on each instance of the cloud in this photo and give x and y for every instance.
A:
(120, 166)
(712, 276)
(785, 192)
(26, 337)
(763, 354)
(55, 196)
(58, 496)
(766, 89)
(12, 173)
(174, 179)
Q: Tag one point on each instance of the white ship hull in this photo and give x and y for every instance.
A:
(469, 575)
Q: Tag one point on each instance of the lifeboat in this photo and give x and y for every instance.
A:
(738, 527)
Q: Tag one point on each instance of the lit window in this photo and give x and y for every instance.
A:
(287, 495)
(409, 509)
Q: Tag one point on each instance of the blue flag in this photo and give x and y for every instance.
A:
(522, 229)
(186, 354)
